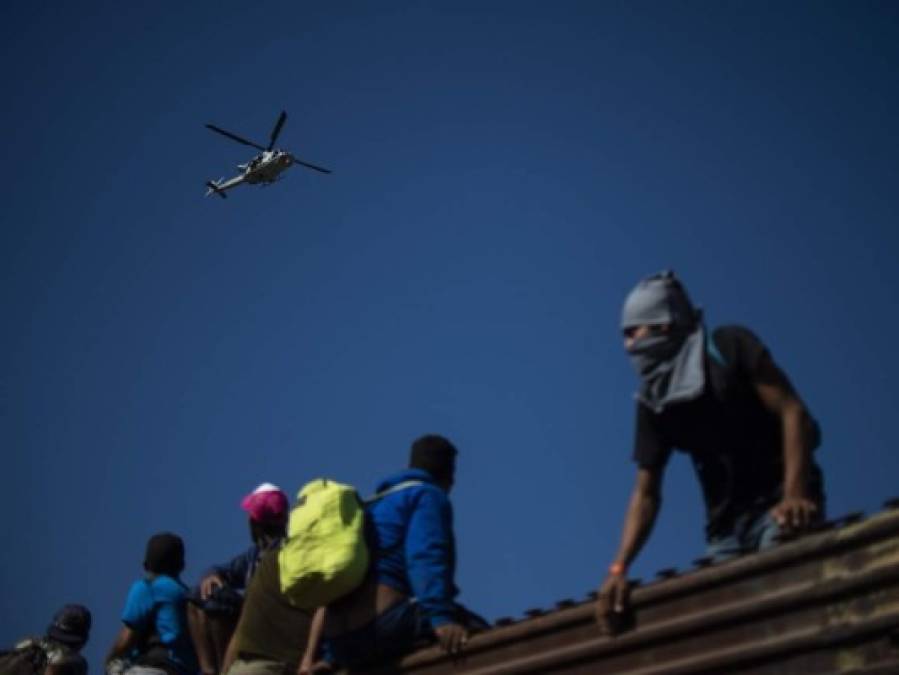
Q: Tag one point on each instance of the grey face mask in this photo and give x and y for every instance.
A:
(670, 364)
(649, 353)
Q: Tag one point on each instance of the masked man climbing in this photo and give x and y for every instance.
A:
(720, 398)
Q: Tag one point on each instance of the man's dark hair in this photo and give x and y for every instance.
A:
(436, 455)
(165, 554)
(265, 533)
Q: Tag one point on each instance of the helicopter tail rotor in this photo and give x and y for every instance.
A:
(214, 189)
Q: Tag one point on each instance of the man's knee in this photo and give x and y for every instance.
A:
(769, 532)
(720, 549)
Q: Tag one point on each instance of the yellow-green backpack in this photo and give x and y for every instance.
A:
(324, 556)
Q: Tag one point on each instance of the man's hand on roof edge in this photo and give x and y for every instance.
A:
(795, 513)
(452, 637)
(612, 601)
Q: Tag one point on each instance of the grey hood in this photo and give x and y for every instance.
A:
(670, 365)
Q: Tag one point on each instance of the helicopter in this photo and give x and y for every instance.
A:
(265, 168)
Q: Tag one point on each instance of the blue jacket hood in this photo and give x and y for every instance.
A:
(403, 476)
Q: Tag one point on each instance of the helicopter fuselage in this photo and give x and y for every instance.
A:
(266, 166)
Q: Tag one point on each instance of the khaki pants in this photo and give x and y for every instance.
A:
(260, 667)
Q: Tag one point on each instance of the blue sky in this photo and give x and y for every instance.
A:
(503, 174)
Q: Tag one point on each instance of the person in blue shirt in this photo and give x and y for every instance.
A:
(408, 597)
(154, 639)
(216, 603)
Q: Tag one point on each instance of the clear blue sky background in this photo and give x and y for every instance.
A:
(504, 173)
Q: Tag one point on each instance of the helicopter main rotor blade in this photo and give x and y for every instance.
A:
(277, 129)
(312, 166)
(234, 137)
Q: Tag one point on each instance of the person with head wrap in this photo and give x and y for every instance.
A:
(154, 638)
(216, 603)
(60, 648)
(408, 598)
(722, 399)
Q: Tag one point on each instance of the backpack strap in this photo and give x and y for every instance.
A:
(150, 637)
(395, 488)
(152, 651)
(713, 351)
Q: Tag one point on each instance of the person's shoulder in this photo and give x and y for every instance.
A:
(742, 349)
(733, 333)
(422, 493)
(425, 495)
(60, 654)
(735, 341)
(406, 482)
(26, 642)
(251, 552)
(140, 588)
(432, 493)
(56, 652)
(168, 587)
(428, 498)
(420, 483)
(266, 574)
(169, 583)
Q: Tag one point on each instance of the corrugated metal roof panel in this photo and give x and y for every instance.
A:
(827, 602)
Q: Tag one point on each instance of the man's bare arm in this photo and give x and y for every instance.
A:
(641, 515)
(231, 652)
(796, 509)
(313, 640)
(124, 643)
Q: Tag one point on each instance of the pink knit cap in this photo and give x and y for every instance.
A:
(266, 504)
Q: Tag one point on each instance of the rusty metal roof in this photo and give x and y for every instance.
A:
(827, 602)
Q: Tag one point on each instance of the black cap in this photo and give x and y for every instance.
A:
(71, 625)
(165, 554)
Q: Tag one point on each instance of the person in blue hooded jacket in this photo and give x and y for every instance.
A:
(408, 597)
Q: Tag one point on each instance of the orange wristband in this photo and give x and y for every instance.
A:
(617, 569)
